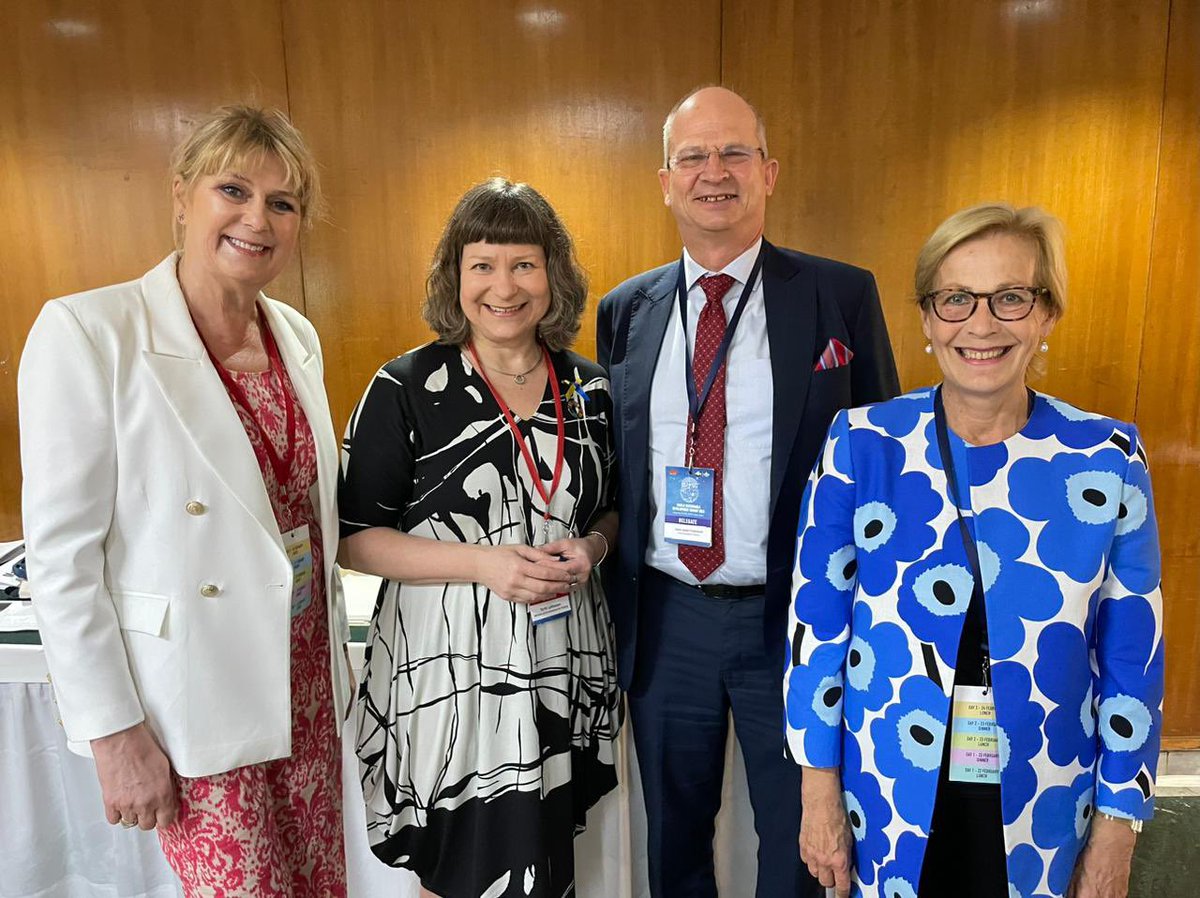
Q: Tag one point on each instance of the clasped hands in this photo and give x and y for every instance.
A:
(532, 574)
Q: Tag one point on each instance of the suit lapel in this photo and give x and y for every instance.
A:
(647, 324)
(180, 366)
(648, 317)
(790, 297)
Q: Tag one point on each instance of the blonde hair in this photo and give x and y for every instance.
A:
(1032, 223)
(235, 135)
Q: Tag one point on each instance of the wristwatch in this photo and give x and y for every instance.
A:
(1135, 825)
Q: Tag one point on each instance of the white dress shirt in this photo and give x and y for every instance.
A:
(749, 393)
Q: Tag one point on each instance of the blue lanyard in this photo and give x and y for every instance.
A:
(696, 401)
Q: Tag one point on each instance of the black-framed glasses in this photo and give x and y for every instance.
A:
(1007, 304)
(734, 156)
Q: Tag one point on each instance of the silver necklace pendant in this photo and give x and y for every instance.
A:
(520, 379)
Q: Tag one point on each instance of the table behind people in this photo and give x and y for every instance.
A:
(699, 627)
(179, 514)
(976, 677)
(39, 856)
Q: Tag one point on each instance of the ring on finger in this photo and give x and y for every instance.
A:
(128, 824)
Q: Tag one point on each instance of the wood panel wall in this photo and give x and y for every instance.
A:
(418, 102)
(93, 97)
(1168, 402)
(886, 117)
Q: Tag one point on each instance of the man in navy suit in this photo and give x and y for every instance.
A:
(711, 478)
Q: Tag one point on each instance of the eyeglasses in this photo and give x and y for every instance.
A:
(731, 157)
(1007, 304)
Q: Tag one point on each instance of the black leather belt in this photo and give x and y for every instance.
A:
(712, 590)
(733, 593)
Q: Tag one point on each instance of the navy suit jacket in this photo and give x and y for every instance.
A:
(809, 300)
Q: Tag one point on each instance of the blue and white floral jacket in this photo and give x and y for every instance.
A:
(1064, 520)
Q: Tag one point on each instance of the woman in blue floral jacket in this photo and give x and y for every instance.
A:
(976, 671)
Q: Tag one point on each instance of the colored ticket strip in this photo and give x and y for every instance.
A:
(299, 552)
(974, 737)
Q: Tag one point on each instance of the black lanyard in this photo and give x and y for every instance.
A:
(976, 609)
(696, 401)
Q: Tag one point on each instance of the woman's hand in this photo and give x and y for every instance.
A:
(579, 555)
(522, 573)
(1102, 870)
(135, 779)
(825, 839)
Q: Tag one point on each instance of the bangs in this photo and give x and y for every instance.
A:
(502, 218)
(245, 155)
(241, 159)
(239, 139)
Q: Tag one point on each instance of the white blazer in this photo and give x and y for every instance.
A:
(159, 577)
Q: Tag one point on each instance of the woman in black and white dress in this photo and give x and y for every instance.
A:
(476, 482)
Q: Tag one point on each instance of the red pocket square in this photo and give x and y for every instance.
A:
(835, 355)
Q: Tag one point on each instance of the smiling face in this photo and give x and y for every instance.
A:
(240, 227)
(504, 292)
(717, 203)
(983, 356)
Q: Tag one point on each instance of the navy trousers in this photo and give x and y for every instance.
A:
(699, 658)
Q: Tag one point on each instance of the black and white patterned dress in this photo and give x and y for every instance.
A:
(482, 739)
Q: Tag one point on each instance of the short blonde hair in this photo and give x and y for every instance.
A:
(234, 135)
(503, 212)
(1031, 222)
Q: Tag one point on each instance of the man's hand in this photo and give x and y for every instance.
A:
(135, 779)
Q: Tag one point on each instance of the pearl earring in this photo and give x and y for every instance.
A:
(928, 349)
(1045, 347)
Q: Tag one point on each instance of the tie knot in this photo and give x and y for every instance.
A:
(715, 286)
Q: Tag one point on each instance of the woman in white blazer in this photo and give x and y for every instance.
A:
(179, 512)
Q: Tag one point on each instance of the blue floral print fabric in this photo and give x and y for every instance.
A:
(1063, 517)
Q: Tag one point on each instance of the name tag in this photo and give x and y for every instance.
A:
(974, 738)
(688, 508)
(551, 609)
(299, 551)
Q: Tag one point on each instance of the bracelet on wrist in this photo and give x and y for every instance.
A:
(604, 539)
(1135, 825)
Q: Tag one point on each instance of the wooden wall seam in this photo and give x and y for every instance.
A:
(287, 90)
(1162, 125)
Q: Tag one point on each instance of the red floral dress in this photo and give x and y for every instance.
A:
(274, 829)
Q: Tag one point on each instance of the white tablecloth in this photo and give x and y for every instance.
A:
(55, 842)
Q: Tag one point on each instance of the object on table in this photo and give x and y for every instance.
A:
(12, 570)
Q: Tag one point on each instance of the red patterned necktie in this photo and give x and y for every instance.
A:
(708, 437)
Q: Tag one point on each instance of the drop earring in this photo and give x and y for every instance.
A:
(1045, 347)
(928, 349)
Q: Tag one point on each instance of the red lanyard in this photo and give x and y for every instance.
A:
(517, 435)
(280, 464)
